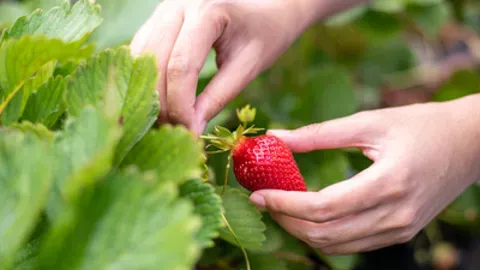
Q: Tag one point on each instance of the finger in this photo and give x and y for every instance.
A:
(362, 192)
(196, 38)
(347, 229)
(234, 74)
(359, 130)
(296, 227)
(370, 243)
(158, 36)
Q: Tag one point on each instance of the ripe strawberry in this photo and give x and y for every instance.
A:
(262, 162)
(265, 162)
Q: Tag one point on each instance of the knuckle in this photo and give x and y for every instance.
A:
(215, 11)
(405, 236)
(275, 204)
(316, 239)
(174, 117)
(397, 185)
(320, 211)
(179, 66)
(211, 6)
(217, 102)
(405, 219)
(398, 189)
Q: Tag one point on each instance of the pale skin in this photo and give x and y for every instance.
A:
(424, 155)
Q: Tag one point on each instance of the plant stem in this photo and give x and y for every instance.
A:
(4, 105)
(238, 241)
(227, 168)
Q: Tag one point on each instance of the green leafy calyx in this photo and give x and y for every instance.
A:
(224, 139)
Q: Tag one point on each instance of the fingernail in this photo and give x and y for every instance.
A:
(258, 200)
(278, 132)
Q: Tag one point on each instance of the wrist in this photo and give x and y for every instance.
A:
(467, 119)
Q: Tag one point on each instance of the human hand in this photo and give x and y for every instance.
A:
(247, 35)
(424, 156)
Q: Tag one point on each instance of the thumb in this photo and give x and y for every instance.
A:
(358, 131)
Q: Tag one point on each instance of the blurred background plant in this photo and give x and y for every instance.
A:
(387, 53)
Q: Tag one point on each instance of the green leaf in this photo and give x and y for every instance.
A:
(17, 105)
(462, 83)
(296, 251)
(342, 262)
(378, 27)
(430, 18)
(46, 104)
(26, 256)
(9, 12)
(389, 6)
(274, 236)
(173, 152)
(244, 218)
(25, 179)
(85, 151)
(38, 130)
(267, 262)
(127, 221)
(21, 58)
(44, 4)
(329, 94)
(425, 2)
(383, 60)
(122, 19)
(134, 82)
(70, 24)
(208, 205)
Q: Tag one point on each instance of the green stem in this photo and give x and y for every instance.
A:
(10, 97)
(227, 169)
(238, 241)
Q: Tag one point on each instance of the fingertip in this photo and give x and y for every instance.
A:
(140, 38)
(257, 199)
(287, 137)
(198, 128)
(279, 132)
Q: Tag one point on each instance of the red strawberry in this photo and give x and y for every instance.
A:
(265, 162)
(262, 162)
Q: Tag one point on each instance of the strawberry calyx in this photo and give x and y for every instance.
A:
(226, 141)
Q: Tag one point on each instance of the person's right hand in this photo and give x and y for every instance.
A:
(248, 35)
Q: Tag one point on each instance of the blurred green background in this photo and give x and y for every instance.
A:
(388, 53)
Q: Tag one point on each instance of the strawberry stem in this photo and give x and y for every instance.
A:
(227, 169)
(245, 255)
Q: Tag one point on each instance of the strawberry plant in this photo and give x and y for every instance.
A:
(88, 181)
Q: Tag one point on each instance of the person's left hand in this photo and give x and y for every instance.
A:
(424, 157)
